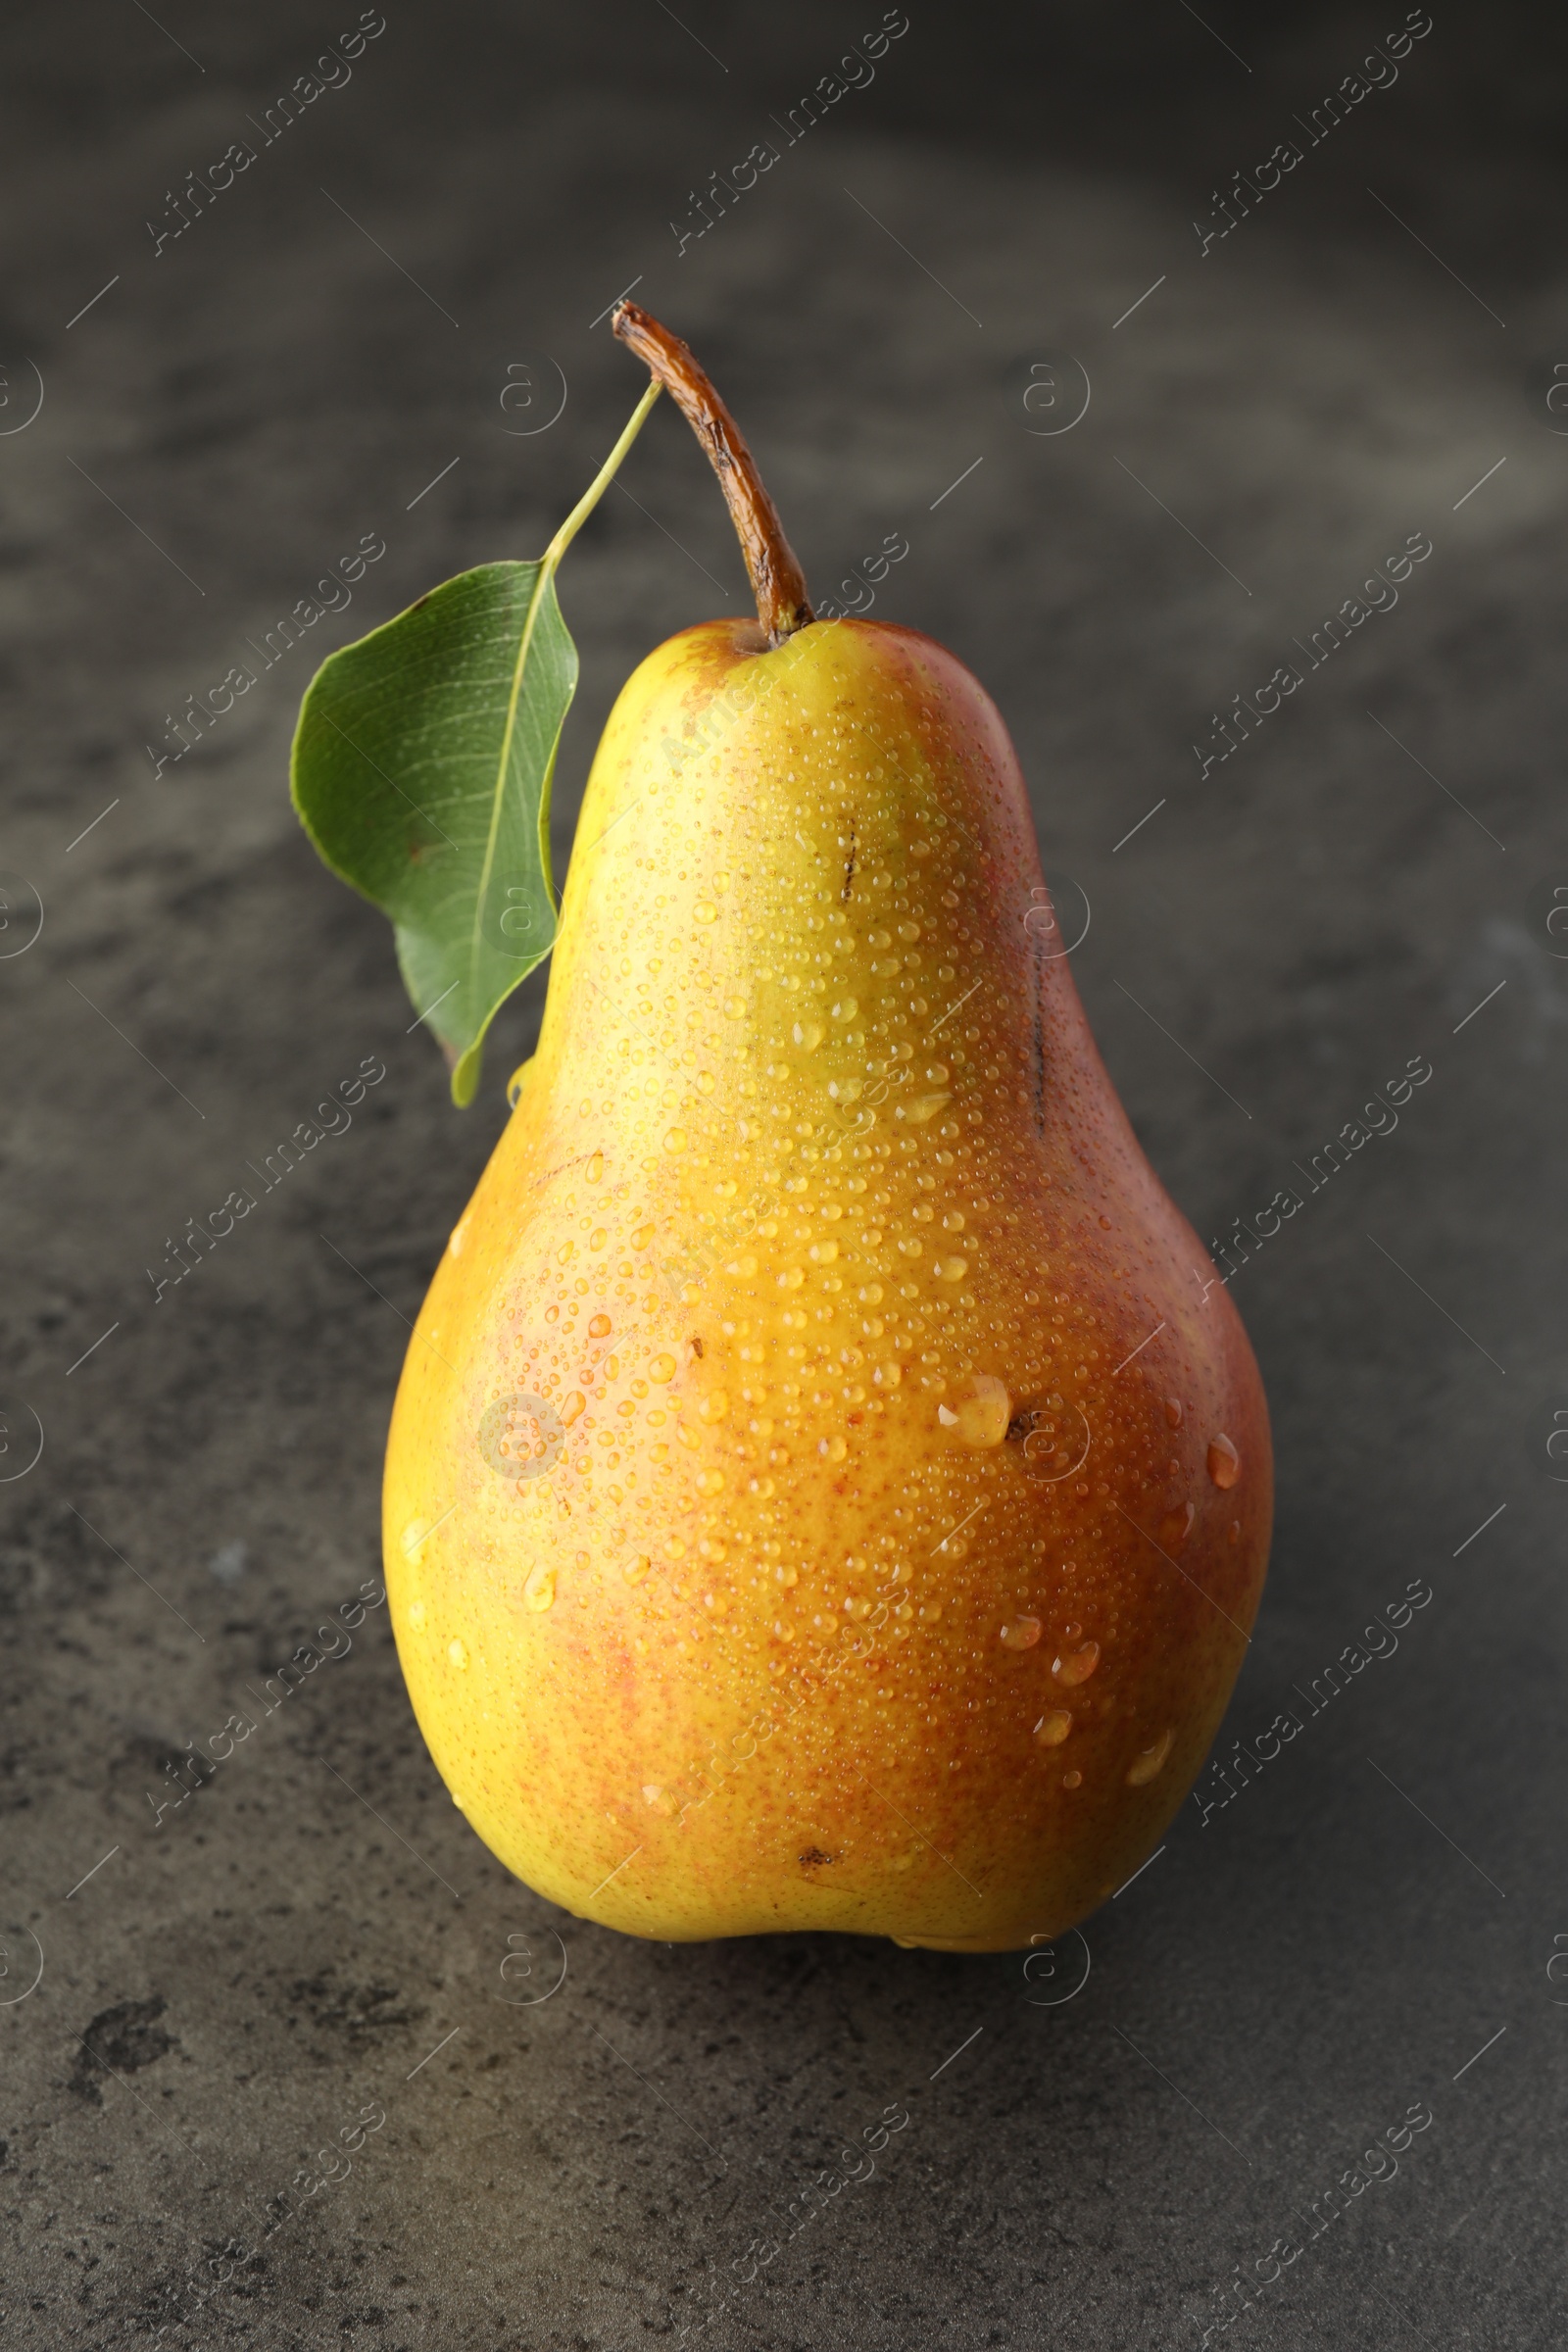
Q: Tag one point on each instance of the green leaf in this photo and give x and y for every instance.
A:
(422, 770)
(422, 766)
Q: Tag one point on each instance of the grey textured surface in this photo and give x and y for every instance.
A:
(612, 2163)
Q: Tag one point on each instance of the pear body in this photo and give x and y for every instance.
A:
(828, 1487)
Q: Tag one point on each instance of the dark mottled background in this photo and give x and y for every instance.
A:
(1368, 880)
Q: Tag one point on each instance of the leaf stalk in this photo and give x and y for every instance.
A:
(599, 485)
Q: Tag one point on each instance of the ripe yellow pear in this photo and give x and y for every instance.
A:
(827, 1488)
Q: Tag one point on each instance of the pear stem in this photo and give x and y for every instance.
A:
(777, 580)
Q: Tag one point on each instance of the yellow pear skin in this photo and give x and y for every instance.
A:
(828, 1487)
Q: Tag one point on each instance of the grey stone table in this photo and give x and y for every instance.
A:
(1308, 334)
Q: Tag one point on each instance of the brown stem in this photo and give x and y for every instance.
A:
(777, 580)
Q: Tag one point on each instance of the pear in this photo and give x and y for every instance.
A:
(828, 1487)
